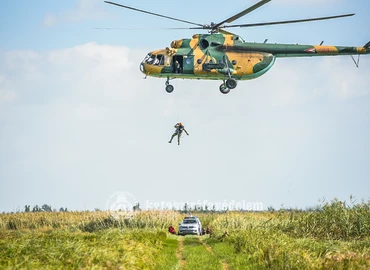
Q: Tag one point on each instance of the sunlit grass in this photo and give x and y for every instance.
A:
(335, 235)
(111, 248)
(89, 221)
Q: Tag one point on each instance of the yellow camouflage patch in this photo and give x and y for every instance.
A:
(229, 40)
(153, 69)
(199, 55)
(245, 62)
(361, 50)
(326, 49)
(176, 44)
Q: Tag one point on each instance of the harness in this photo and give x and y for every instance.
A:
(180, 129)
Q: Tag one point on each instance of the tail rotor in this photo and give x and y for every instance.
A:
(367, 46)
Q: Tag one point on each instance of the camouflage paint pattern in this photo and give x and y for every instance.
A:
(214, 56)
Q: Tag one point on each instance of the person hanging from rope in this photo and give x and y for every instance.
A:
(179, 128)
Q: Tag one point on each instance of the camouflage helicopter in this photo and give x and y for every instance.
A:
(222, 55)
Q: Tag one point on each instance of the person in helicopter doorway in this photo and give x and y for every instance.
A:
(177, 67)
(179, 128)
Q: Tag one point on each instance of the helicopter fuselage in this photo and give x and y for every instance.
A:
(221, 56)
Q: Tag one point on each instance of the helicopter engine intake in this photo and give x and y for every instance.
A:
(180, 43)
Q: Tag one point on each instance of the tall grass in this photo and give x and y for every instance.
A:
(334, 235)
(261, 248)
(89, 221)
(109, 249)
(333, 220)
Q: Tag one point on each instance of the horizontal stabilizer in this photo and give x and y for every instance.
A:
(367, 45)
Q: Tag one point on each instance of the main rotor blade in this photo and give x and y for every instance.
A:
(286, 22)
(151, 13)
(139, 29)
(244, 12)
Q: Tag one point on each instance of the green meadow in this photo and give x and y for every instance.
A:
(332, 236)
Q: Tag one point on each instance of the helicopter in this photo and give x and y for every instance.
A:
(222, 55)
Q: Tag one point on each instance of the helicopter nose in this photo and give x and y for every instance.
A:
(142, 67)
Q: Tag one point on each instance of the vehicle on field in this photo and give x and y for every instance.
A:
(190, 225)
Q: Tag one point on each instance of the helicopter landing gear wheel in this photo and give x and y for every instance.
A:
(231, 83)
(169, 88)
(224, 89)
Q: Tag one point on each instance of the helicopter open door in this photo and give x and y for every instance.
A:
(180, 60)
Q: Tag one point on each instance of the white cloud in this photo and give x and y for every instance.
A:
(6, 96)
(103, 72)
(83, 10)
(84, 116)
(293, 81)
(87, 69)
(50, 19)
(346, 80)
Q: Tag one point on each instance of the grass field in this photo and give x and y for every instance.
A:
(334, 236)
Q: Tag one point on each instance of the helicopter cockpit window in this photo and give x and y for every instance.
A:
(150, 59)
(146, 58)
(159, 60)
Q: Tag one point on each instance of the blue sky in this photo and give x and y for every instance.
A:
(78, 123)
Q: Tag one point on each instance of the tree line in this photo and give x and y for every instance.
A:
(44, 208)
